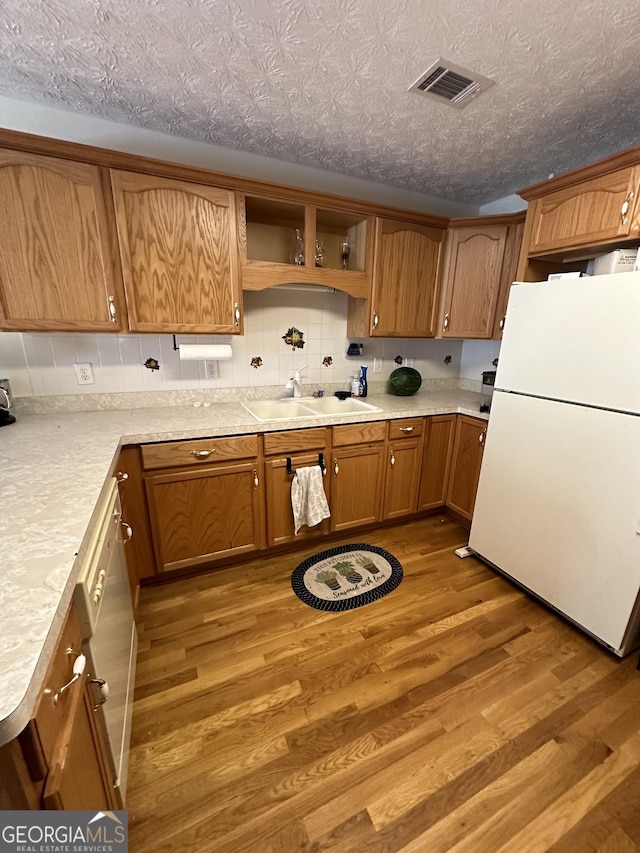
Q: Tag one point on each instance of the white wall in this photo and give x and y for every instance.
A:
(74, 127)
(508, 204)
(41, 364)
(477, 356)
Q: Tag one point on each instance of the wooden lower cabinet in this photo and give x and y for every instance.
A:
(303, 448)
(357, 474)
(404, 457)
(207, 514)
(468, 447)
(436, 461)
(60, 759)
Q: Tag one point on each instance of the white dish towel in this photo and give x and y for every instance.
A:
(308, 500)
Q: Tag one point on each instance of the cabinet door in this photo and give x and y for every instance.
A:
(278, 500)
(436, 461)
(357, 476)
(508, 275)
(57, 270)
(472, 280)
(406, 275)
(199, 516)
(465, 466)
(178, 247)
(600, 210)
(79, 776)
(403, 477)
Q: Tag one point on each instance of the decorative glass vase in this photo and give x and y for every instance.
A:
(297, 256)
(320, 254)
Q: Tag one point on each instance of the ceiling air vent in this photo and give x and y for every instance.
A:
(447, 81)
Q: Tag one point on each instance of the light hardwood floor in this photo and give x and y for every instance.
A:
(454, 714)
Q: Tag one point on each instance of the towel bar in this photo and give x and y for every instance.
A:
(291, 470)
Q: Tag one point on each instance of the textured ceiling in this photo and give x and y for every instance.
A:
(324, 83)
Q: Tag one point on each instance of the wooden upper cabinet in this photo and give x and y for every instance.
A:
(480, 266)
(591, 212)
(473, 267)
(178, 247)
(508, 274)
(57, 269)
(285, 241)
(406, 276)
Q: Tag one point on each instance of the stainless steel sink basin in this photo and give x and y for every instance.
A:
(306, 407)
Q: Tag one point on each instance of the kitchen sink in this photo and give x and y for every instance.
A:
(289, 408)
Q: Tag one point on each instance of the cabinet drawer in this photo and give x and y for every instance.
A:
(291, 441)
(359, 433)
(406, 428)
(180, 453)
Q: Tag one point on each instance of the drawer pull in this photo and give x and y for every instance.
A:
(236, 313)
(202, 454)
(113, 313)
(103, 690)
(501, 323)
(375, 319)
(336, 468)
(482, 436)
(406, 429)
(127, 533)
(392, 460)
(445, 324)
(625, 208)
(121, 476)
(256, 480)
(79, 665)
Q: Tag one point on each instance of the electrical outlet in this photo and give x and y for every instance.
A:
(377, 365)
(211, 369)
(84, 373)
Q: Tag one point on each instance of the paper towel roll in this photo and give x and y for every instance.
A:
(195, 352)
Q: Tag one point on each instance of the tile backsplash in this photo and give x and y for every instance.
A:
(42, 364)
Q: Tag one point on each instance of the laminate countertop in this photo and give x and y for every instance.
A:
(54, 468)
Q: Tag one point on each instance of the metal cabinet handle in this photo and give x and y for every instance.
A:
(501, 323)
(392, 459)
(256, 481)
(236, 312)
(202, 454)
(336, 467)
(128, 532)
(482, 436)
(406, 429)
(121, 477)
(625, 208)
(103, 688)
(79, 665)
(113, 311)
(445, 323)
(375, 319)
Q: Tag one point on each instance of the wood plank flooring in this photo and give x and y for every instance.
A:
(456, 714)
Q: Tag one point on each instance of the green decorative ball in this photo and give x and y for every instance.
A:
(404, 381)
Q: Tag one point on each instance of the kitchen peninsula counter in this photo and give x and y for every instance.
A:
(55, 467)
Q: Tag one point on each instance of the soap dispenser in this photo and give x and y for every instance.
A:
(355, 385)
(363, 380)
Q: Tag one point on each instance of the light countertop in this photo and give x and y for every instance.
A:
(54, 468)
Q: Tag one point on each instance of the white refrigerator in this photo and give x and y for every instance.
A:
(558, 503)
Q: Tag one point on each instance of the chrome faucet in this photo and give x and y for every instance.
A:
(295, 382)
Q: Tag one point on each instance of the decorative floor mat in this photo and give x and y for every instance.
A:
(346, 577)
